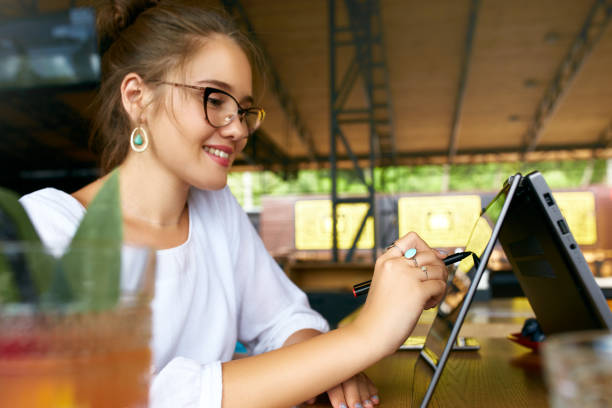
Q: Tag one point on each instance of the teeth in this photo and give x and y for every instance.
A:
(216, 152)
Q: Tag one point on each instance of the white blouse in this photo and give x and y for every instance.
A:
(218, 287)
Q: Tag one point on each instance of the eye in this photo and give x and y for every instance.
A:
(218, 100)
(213, 101)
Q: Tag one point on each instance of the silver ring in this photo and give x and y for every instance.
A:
(424, 269)
(394, 245)
(416, 264)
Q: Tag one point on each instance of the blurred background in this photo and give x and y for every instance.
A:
(394, 115)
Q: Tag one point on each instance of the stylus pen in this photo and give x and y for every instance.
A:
(363, 287)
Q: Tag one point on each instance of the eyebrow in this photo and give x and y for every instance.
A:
(226, 87)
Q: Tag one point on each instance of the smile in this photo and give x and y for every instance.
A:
(216, 152)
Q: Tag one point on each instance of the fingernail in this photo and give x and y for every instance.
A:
(358, 405)
(343, 405)
(375, 399)
(443, 252)
(368, 403)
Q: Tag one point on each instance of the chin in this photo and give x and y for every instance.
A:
(210, 184)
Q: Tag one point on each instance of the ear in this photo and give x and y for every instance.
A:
(134, 96)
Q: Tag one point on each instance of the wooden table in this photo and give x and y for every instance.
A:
(500, 374)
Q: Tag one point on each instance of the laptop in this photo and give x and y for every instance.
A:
(548, 263)
(546, 260)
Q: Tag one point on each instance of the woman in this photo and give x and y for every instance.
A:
(175, 108)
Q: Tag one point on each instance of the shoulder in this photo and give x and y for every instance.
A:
(54, 213)
(52, 200)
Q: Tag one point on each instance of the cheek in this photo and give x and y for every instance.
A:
(241, 145)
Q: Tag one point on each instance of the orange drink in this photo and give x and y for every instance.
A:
(75, 358)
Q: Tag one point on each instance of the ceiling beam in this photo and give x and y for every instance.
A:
(465, 70)
(605, 137)
(589, 35)
(234, 7)
(261, 150)
(486, 155)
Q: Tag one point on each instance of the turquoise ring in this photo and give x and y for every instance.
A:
(410, 253)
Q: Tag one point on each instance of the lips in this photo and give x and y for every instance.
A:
(220, 154)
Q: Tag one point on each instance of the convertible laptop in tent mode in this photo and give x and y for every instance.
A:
(545, 259)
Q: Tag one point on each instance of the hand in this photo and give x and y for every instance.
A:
(399, 292)
(358, 389)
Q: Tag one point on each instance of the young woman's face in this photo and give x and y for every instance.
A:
(183, 141)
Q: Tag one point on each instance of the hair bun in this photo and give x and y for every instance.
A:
(115, 15)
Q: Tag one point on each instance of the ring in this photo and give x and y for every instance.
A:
(410, 252)
(416, 264)
(394, 245)
(424, 269)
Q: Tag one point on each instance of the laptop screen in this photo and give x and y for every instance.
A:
(461, 289)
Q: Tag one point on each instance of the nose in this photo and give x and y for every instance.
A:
(235, 130)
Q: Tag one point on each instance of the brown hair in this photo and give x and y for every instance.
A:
(150, 38)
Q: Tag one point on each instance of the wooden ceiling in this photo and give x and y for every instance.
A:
(467, 81)
(516, 51)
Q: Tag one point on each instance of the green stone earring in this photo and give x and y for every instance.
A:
(139, 141)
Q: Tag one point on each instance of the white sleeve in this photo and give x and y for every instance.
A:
(186, 383)
(271, 307)
(54, 214)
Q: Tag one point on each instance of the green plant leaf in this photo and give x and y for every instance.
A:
(22, 227)
(22, 277)
(92, 262)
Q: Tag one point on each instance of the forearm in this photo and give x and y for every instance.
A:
(294, 373)
(301, 335)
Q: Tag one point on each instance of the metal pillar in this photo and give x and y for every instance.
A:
(363, 36)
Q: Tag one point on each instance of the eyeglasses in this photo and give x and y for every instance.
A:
(221, 108)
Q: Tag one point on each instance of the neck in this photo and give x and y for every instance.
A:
(152, 196)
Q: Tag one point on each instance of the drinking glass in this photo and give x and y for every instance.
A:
(84, 340)
(578, 369)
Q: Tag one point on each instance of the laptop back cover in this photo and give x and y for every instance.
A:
(548, 263)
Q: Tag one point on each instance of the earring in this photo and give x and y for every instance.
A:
(139, 141)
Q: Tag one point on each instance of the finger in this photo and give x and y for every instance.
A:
(432, 272)
(412, 240)
(433, 302)
(364, 392)
(440, 253)
(336, 397)
(396, 249)
(351, 393)
(432, 291)
(372, 390)
(429, 260)
(393, 251)
(425, 265)
(400, 267)
(426, 258)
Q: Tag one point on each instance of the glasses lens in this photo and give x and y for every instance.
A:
(253, 119)
(221, 109)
